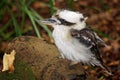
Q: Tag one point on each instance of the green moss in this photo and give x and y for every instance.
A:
(22, 72)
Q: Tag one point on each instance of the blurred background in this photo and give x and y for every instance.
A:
(21, 17)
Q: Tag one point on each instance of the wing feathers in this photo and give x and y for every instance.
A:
(90, 39)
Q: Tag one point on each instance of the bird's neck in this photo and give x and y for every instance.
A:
(79, 26)
(61, 33)
(61, 29)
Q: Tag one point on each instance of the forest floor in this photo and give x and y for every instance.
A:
(103, 18)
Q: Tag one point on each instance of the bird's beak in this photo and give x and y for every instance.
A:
(49, 21)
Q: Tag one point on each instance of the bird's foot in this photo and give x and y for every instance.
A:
(72, 64)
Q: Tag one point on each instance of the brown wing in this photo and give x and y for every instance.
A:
(87, 37)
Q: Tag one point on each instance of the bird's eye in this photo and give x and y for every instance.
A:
(64, 22)
(57, 16)
(81, 19)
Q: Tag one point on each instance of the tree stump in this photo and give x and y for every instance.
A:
(44, 60)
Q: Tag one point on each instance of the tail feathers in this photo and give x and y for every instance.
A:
(106, 69)
(100, 64)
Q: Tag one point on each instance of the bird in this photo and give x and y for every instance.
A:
(75, 40)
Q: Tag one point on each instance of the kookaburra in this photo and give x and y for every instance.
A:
(75, 40)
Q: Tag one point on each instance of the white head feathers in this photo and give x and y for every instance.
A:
(70, 16)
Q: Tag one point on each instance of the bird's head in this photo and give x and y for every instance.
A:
(66, 18)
